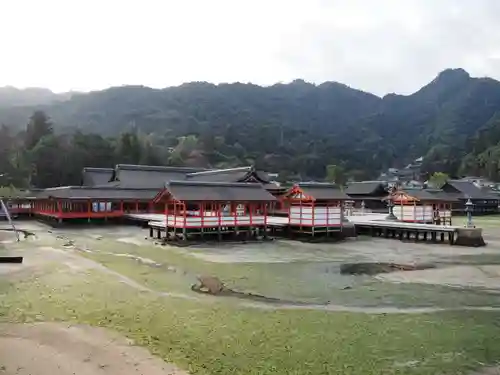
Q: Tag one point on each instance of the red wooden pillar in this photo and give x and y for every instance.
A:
(59, 208)
(250, 209)
(184, 214)
(136, 206)
(301, 217)
(166, 214)
(218, 211)
(313, 211)
(202, 214)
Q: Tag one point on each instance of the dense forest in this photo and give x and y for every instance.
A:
(301, 130)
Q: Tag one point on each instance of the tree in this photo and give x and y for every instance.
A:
(6, 146)
(38, 126)
(48, 162)
(336, 174)
(438, 179)
(128, 148)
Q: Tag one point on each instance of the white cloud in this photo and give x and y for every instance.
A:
(376, 45)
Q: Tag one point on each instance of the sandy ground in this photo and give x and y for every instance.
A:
(49, 348)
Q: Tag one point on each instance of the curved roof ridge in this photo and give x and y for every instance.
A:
(224, 170)
(158, 168)
(214, 183)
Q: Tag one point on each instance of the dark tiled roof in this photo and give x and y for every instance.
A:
(148, 176)
(366, 198)
(441, 195)
(364, 187)
(274, 187)
(242, 174)
(490, 191)
(96, 176)
(84, 192)
(218, 191)
(467, 190)
(320, 191)
(435, 195)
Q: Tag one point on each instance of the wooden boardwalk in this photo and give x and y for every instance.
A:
(376, 225)
(370, 224)
(146, 217)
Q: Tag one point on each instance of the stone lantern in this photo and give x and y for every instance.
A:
(469, 208)
(391, 216)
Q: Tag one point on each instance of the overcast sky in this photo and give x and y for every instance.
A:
(380, 46)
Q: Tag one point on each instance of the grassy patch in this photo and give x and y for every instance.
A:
(219, 338)
(311, 282)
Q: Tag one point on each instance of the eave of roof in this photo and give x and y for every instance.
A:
(469, 190)
(323, 191)
(99, 193)
(218, 191)
(363, 187)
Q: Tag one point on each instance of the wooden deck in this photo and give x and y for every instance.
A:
(371, 224)
(376, 225)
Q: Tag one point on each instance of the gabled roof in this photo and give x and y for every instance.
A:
(364, 188)
(467, 189)
(423, 195)
(241, 174)
(149, 176)
(103, 193)
(442, 195)
(96, 176)
(322, 191)
(218, 191)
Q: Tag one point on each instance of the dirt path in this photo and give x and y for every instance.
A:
(50, 348)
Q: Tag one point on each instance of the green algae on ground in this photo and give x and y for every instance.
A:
(222, 338)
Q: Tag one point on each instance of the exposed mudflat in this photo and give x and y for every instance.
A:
(62, 349)
(49, 348)
(452, 266)
(482, 276)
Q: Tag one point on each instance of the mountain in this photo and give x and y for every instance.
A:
(298, 127)
(14, 97)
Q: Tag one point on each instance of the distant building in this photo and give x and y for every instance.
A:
(485, 202)
(479, 181)
(412, 172)
(372, 193)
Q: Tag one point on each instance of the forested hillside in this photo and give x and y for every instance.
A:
(14, 97)
(296, 129)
